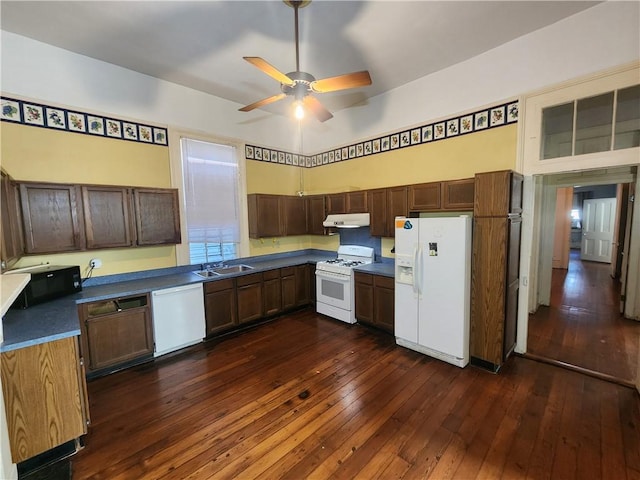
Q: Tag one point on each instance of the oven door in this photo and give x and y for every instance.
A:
(334, 289)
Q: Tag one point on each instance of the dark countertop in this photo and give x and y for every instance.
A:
(386, 268)
(59, 318)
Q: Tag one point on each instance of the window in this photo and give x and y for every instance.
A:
(587, 125)
(211, 186)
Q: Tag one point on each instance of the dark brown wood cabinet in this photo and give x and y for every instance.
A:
(336, 203)
(157, 216)
(357, 202)
(107, 216)
(220, 306)
(496, 261)
(271, 292)
(458, 194)
(385, 204)
(294, 215)
(12, 241)
(288, 284)
(425, 196)
(116, 331)
(249, 295)
(374, 299)
(316, 214)
(303, 285)
(45, 397)
(52, 216)
(265, 215)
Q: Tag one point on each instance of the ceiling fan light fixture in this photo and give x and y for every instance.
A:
(298, 109)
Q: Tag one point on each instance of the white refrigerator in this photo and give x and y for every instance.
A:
(432, 286)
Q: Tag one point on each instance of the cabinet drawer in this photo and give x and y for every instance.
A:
(363, 278)
(218, 285)
(249, 279)
(286, 272)
(384, 282)
(271, 274)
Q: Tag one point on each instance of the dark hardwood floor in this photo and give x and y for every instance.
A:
(583, 325)
(307, 397)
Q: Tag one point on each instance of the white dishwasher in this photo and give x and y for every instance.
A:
(178, 317)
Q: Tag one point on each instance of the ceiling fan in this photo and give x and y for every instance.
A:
(301, 85)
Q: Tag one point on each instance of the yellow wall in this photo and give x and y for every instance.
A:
(264, 177)
(40, 154)
(453, 158)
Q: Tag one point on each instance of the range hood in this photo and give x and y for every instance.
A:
(347, 220)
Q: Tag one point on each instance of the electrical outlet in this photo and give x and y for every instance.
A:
(95, 263)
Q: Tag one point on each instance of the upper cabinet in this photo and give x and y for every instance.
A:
(265, 215)
(295, 215)
(157, 216)
(357, 202)
(498, 193)
(316, 214)
(336, 203)
(425, 196)
(55, 218)
(448, 195)
(52, 216)
(12, 246)
(107, 216)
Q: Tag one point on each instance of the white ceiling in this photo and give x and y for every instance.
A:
(201, 44)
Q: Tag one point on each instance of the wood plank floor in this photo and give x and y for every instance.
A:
(583, 325)
(307, 397)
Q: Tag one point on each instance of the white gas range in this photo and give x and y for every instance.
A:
(335, 285)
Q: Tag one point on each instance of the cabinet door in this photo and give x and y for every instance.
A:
(43, 396)
(383, 310)
(488, 288)
(378, 213)
(272, 292)
(220, 305)
(336, 203)
(288, 283)
(52, 218)
(396, 207)
(304, 285)
(265, 215)
(315, 214)
(357, 202)
(12, 247)
(492, 194)
(295, 215)
(424, 197)
(364, 298)
(107, 216)
(458, 194)
(114, 335)
(157, 216)
(249, 295)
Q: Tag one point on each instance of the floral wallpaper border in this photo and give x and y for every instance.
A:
(45, 116)
(484, 119)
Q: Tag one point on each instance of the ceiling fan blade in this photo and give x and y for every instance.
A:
(263, 102)
(269, 69)
(318, 110)
(342, 82)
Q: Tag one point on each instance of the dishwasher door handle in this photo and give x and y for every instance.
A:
(171, 291)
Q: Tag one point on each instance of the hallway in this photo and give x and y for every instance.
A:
(583, 326)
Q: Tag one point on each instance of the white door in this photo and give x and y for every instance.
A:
(598, 222)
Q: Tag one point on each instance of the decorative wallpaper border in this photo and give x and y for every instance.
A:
(45, 116)
(481, 120)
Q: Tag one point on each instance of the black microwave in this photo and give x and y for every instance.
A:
(48, 283)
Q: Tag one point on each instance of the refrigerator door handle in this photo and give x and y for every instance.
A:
(414, 283)
(420, 267)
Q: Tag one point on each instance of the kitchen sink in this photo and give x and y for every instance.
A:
(226, 270)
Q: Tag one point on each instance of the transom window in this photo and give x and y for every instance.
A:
(610, 121)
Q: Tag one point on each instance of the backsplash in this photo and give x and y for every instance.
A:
(45, 116)
(361, 236)
(484, 119)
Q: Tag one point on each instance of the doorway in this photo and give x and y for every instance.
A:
(578, 321)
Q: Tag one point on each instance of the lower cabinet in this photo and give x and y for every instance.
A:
(116, 332)
(249, 292)
(45, 396)
(220, 306)
(288, 283)
(375, 300)
(271, 292)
